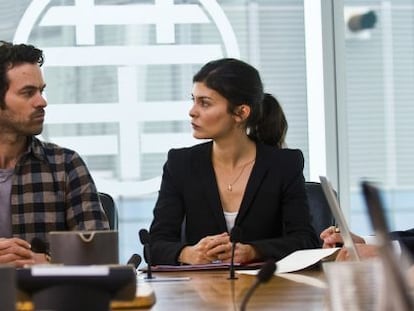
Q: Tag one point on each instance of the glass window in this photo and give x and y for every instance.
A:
(378, 135)
(119, 76)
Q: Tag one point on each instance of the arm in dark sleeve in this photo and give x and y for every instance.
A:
(298, 232)
(406, 238)
(83, 211)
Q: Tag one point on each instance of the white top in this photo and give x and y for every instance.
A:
(230, 218)
(372, 240)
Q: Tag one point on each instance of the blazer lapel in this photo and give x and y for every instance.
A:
(259, 172)
(205, 176)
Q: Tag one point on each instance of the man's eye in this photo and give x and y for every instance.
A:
(28, 93)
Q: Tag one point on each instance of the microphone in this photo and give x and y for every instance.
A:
(264, 275)
(235, 236)
(145, 239)
(39, 246)
(134, 261)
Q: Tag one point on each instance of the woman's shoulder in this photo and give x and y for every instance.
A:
(280, 152)
(185, 152)
(281, 159)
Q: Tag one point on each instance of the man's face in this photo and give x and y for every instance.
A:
(24, 111)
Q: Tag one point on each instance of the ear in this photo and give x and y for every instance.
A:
(243, 112)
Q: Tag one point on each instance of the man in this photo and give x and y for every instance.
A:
(43, 187)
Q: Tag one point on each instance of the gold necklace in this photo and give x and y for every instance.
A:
(230, 185)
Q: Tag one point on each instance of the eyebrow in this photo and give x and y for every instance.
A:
(201, 97)
(32, 87)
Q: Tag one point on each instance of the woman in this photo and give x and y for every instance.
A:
(240, 178)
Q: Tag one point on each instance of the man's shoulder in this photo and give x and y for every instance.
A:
(51, 151)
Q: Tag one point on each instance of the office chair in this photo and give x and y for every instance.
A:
(109, 207)
(321, 215)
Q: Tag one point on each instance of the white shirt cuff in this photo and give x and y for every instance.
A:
(372, 240)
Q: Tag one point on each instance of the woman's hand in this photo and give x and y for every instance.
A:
(207, 250)
(243, 253)
(217, 248)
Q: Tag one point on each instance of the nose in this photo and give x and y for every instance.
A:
(192, 111)
(40, 101)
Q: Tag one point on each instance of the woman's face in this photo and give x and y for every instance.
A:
(209, 114)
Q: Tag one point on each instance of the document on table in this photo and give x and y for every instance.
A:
(300, 260)
(303, 259)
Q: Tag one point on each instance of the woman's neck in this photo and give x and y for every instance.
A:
(233, 153)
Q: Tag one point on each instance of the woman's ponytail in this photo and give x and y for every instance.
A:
(271, 126)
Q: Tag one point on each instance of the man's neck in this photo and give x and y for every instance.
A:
(11, 150)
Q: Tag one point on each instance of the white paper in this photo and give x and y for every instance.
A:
(303, 259)
(298, 260)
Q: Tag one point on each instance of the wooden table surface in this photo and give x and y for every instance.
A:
(212, 290)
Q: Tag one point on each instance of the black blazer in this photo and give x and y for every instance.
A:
(406, 238)
(273, 215)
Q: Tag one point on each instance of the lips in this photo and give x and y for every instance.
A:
(38, 116)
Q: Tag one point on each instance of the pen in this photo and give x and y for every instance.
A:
(336, 230)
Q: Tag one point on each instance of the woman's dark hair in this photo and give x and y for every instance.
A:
(12, 55)
(240, 84)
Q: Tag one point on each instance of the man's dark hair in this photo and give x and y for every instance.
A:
(12, 55)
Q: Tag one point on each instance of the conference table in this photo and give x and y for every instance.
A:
(212, 290)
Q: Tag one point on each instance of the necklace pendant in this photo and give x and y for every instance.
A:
(229, 187)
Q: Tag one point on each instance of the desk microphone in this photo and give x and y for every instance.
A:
(145, 239)
(134, 261)
(235, 236)
(264, 275)
(39, 246)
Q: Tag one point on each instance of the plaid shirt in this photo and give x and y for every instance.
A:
(52, 190)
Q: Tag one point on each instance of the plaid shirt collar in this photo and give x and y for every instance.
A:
(35, 148)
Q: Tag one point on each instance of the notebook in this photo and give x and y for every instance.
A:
(339, 217)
